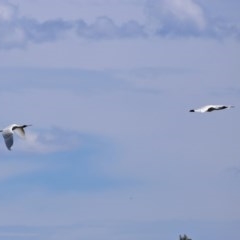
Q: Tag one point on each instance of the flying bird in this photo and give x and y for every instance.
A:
(8, 133)
(210, 108)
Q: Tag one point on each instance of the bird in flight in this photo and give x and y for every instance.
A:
(8, 133)
(210, 108)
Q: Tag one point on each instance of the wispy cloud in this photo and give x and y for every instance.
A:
(49, 141)
(176, 16)
(105, 28)
(186, 18)
(163, 18)
(18, 32)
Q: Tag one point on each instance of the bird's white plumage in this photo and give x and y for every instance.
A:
(9, 131)
(210, 108)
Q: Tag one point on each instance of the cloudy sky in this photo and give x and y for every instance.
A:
(113, 152)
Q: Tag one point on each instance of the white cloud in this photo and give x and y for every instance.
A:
(12, 34)
(7, 11)
(186, 10)
(48, 141)
(164, 18)
(179, 17)
(18, 31)
(106, 28)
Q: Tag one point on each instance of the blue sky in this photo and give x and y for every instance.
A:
(113, 152)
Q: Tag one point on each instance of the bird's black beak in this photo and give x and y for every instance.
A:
(27, 125)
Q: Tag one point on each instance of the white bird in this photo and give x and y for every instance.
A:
(210, 108)
(8, 133)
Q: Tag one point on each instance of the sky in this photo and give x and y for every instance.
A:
(113, 152)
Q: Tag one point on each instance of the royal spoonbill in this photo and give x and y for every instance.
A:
(8, 133)
(210, 108)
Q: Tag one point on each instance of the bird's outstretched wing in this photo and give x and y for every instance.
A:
(8, 138)
(210, 109)
(19, 131)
